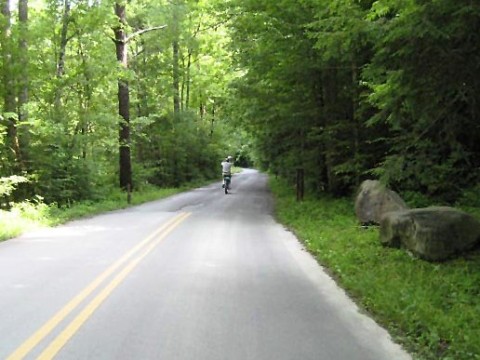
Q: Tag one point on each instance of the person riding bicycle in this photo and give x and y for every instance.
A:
(227, 169)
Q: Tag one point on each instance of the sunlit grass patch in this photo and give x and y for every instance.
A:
(23, 216)
(10, 226)
(30, 214)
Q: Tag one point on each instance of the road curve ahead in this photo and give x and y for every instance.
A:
(198, 276)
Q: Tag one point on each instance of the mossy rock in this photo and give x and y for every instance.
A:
(433, 233)
(373, 200)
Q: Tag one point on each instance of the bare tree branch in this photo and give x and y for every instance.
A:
(143, 31)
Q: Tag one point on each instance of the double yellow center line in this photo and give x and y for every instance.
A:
(143, 249)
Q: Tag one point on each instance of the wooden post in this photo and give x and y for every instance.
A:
(300, 184)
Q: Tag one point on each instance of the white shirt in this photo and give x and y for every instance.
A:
(226, 167)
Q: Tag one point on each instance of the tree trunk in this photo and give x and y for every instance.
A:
(143, 109)
(62, 53)
(212, 122)
(319, 115)
(176, 79)
(84, 97)
(189, 64)
(10, 106)
(330, 98)
(182, 87)
(176, 59)
(123, 100)
(201, 109)
(142, 94)
(23, 79)
(356, 125)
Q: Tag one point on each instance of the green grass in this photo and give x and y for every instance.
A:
(33, 214)
(433, 309)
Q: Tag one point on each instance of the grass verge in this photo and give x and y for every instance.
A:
(432, 309)
(33, 214)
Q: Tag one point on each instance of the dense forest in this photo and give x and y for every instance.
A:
(355, 89)
(98, 94)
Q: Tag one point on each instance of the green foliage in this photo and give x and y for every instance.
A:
(299, 89)
(22, 217)
(345, 89)
(339, 88)
(422, 81)
(7, 187)
(8, 184)
(470, 197)
(69, 140)
(417, 199)
(356, 89)
(430, 308)
(177, 153)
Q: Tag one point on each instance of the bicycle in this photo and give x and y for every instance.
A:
(226, 182)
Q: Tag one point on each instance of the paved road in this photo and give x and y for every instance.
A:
(200, 276)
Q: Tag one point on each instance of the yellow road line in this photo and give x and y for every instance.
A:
(48, 327)
(57, 344)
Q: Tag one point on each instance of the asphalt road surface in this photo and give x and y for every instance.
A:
(200, 275)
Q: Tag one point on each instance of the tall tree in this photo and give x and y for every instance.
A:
(24, 65)
(123, 97)
(176, 56)
(121, 45)
(60, 70)
(23, 85)
(9, 99)
(341, 56)
(425, 80)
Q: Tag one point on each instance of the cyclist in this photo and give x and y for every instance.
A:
(227, 169)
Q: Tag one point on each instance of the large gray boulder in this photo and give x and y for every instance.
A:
(373, 200)
(434, 233)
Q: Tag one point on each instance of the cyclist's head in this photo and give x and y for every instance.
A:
(229, 158)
